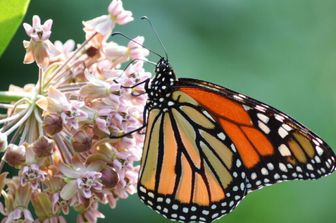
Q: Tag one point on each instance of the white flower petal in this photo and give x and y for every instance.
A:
(69, 190)
(68, 171)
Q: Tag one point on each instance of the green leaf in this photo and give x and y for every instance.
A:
(11, 15)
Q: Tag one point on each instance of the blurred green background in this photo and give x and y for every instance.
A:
(280, 52)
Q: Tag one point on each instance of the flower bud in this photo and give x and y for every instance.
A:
(43, 146)
(42, 204)
(15, 155)
(81, 141)
(110, 177)
(3, 141)
(52, 124)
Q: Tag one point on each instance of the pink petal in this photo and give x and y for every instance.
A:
(87, 193)
(36, 21)
(29, 58)
(27, 215)
(47, 25)
(28, 28)
(16, 214)
(69, 45)
(126, 17)
(115, 7)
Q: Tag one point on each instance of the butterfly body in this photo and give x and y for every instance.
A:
(207, 147)
(161, 87)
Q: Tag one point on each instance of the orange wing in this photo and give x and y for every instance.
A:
(209, 146)
(272, 146)
(188, 169)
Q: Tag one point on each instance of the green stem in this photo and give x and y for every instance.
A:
(6, 96)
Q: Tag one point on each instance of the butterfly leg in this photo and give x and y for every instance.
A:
(137, 84)
(135, 130)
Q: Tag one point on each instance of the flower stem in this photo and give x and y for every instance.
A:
(7, 96)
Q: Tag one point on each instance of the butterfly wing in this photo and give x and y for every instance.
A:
(272, 146)
(188, 168)
(210, 146)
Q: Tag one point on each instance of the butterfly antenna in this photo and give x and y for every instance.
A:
(123, 35)
(156, 34)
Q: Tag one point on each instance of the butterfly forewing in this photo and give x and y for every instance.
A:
(191, 170)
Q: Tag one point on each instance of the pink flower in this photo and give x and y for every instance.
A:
(56, 102)
(32, 175)
(39, 48)
(38, 32)
(89, 181)
(118, 13)
(84, 180)
(90, 215)
(19, 215)
(106, 23)
(62, 125)
(96, 88)
(58, 204)
(119, 54)
(65, 49)
(75, 116)
(115, 53)
(136, 50)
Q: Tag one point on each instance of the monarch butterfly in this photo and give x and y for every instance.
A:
(206, 147)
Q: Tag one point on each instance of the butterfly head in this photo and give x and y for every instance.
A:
(164, 72)
(161, 85)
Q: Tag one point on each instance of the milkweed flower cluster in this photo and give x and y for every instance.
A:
(66, 135)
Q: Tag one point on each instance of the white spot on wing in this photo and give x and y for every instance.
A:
(208, 115)
(205, 212)
(276, 176)
(319, 150)
(263, 117)
(263, 127)
(264, 171)
(238, 163)
(310, 167)
(260, 108)
(150, 194)
(246, 107)
(241, 95)
(253, 176)
(279, 117)
(282, 167)
(142, 189)
(287, 127)
(284, 151)
(282, 132)
(237, 97)
(270, 166)
(221, 136)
